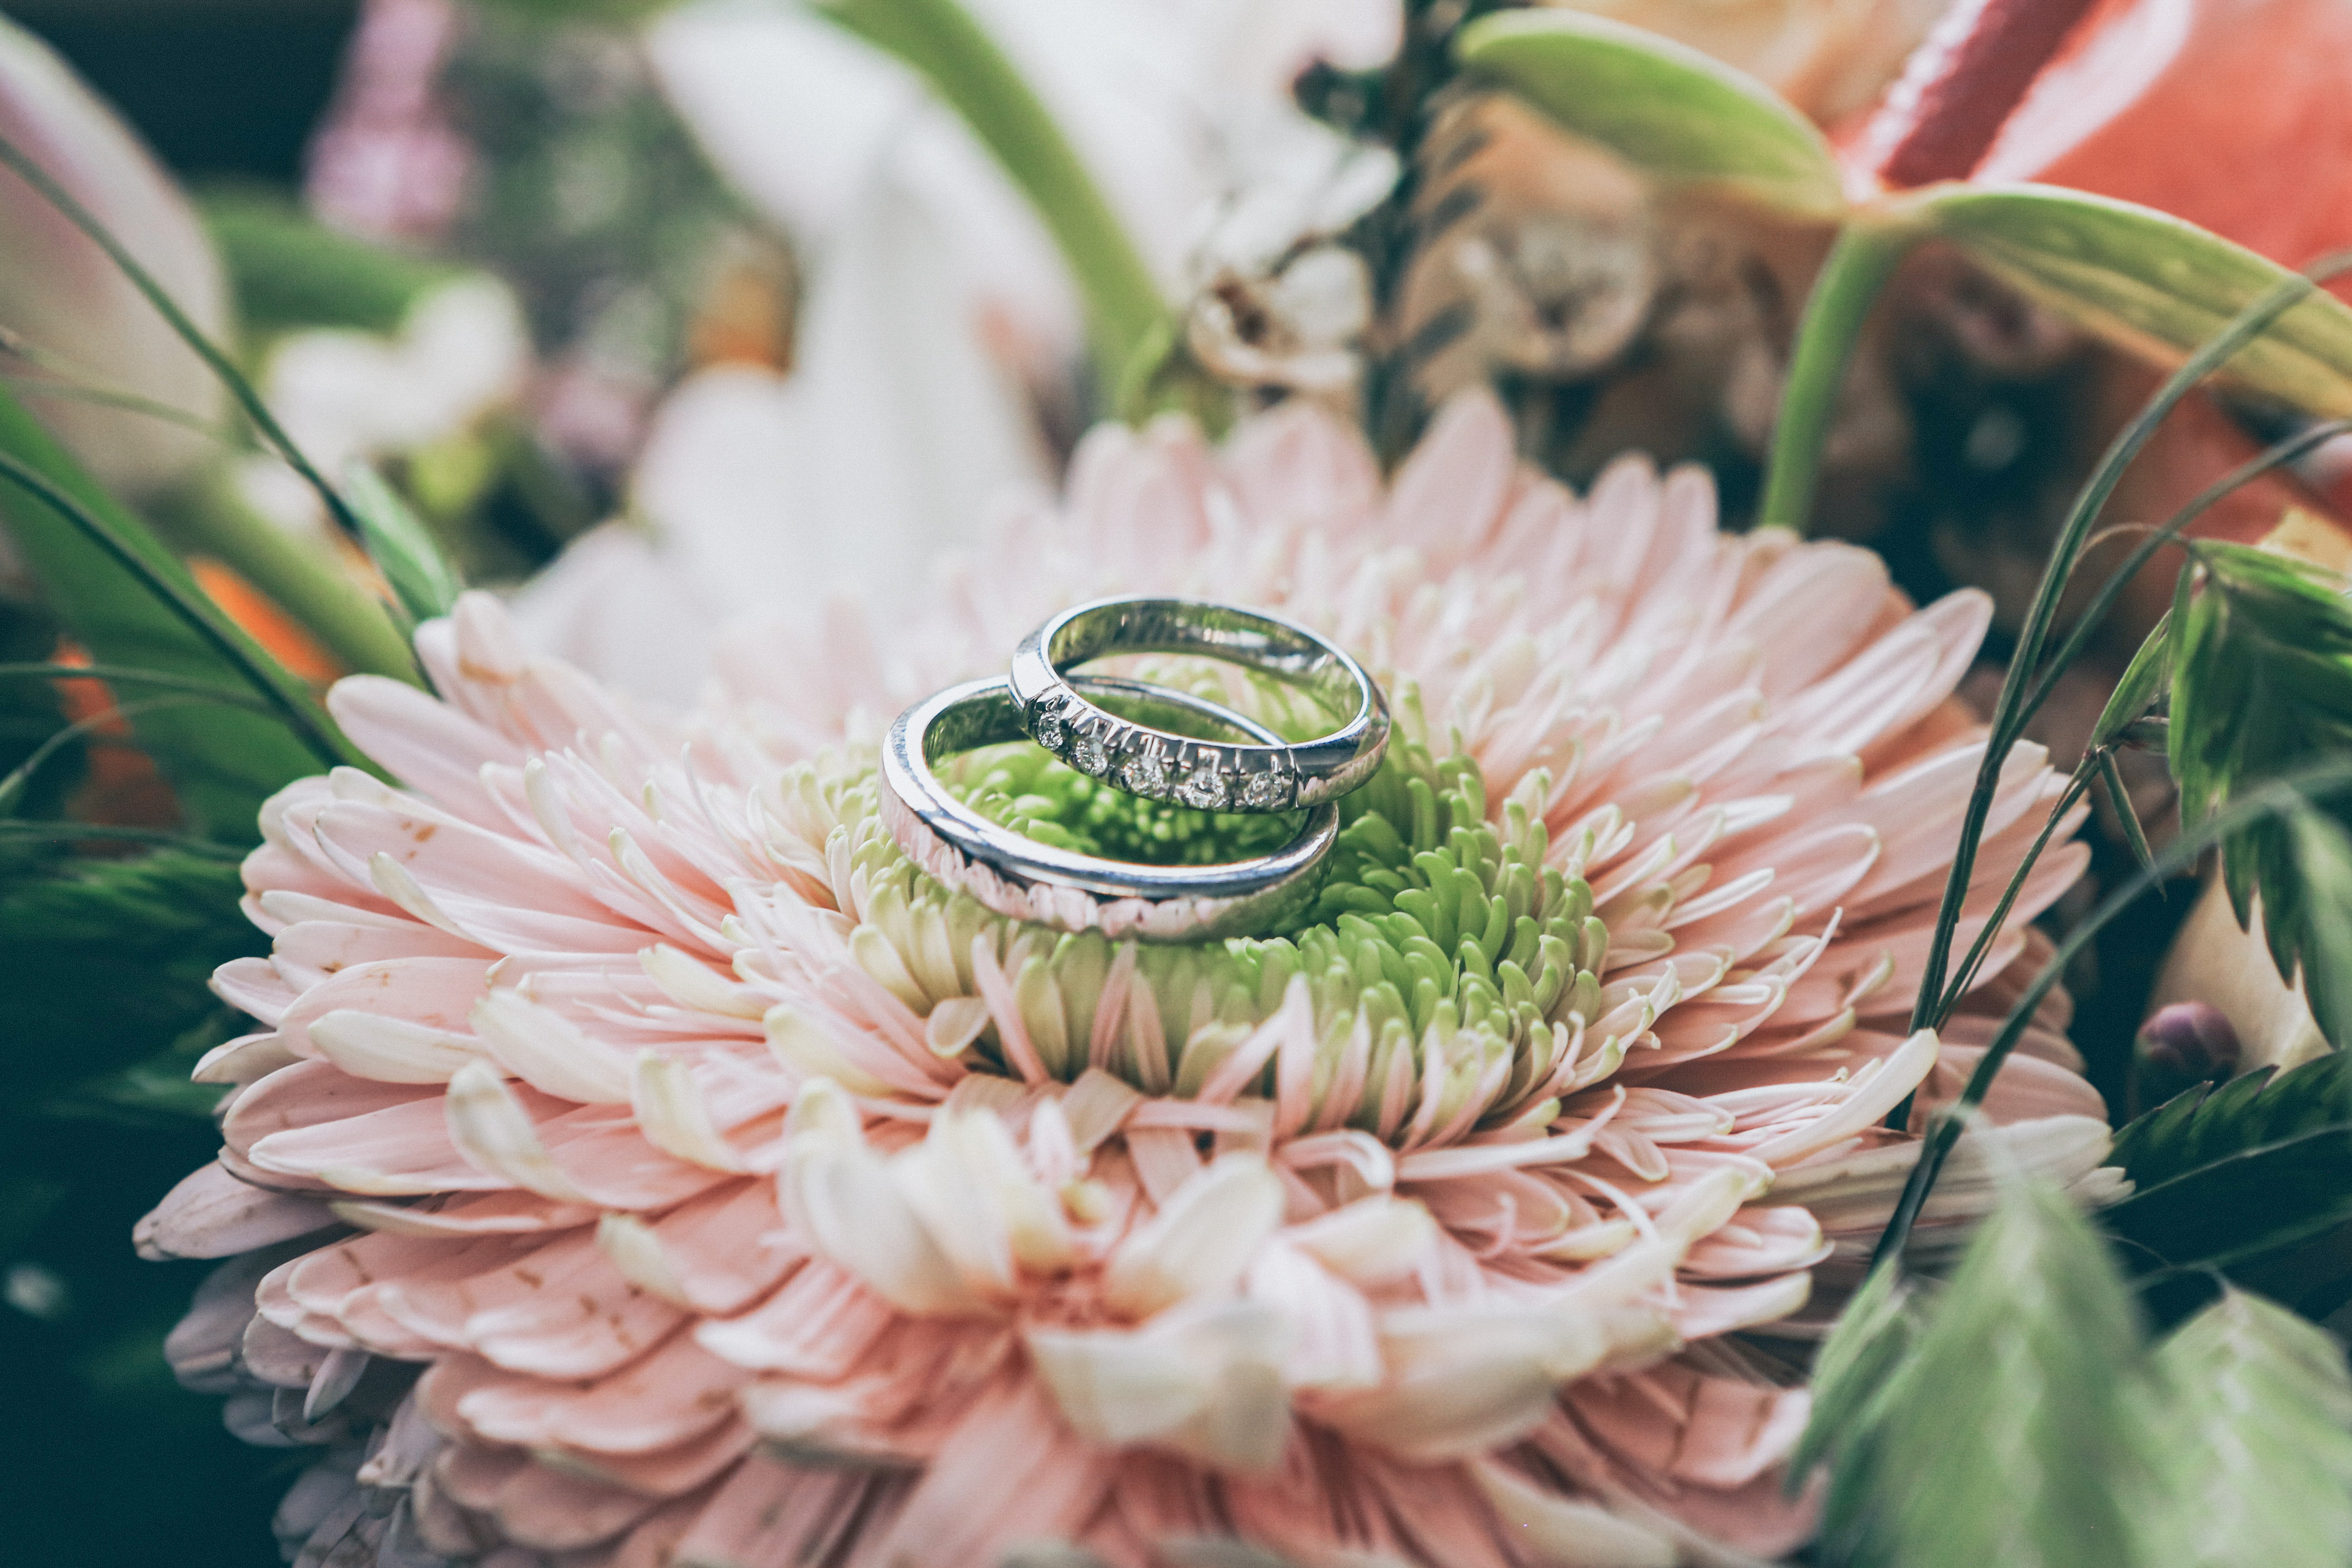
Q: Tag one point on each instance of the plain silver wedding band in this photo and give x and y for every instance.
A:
(1028, 880)
(1207, 775)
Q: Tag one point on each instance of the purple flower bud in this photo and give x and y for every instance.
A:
(2194, 1040)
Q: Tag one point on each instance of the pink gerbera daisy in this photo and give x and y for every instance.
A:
(742, 1198)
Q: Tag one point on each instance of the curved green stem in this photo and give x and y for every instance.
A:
(2290, 792)
(12, 787)
(1867, 251)
(191, 608)
(939, 38)
(75, 832)
(349, 622)
(128, 602)
(121, 675)
(2086, 623)
(2007, 725)
(235, 380)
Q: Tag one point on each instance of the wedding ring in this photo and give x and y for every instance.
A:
(1018, 876)
(1274, 776)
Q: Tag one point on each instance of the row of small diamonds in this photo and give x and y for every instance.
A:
(1204, 787)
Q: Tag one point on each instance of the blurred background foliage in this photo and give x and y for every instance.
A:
(528, 142)
(104, 1459)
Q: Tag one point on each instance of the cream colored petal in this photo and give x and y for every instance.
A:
(1566, 1532)
(954, 1023)
(1200, 1243)
(674, 1117)
(636, 1251)
(390, 1051)
(1202, 1381)
(549, 1052)
(692, 983)
(1370, 1241)
(1470, 1378)
(804, 1046)
(976, 1156)
(491, 1130)
(1871, 1099)
(246, 1059)
(842, 1196)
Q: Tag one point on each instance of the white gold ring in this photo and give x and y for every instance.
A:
(1020, 876)
(1269, 776)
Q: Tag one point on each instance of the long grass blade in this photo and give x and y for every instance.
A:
(161, 839)
(2286, 792)
(2133, 835)
(2007, 725)
(12, 786)
(2245, 473)
(124, 675)
(198, 616)
(1966, 974)
(29, 170)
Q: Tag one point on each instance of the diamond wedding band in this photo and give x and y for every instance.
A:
(1269, 776)
(1029, 880)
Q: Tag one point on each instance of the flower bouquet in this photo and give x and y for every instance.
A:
(1280, 831)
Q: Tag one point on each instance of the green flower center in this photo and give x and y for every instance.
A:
(1439, 937)
(1027, 789)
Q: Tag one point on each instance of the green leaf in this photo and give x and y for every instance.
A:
(2146, 679)
(2014, 1431)
(239, 386)
(2321, 856)
(941, 40)
(31, 714)
(290, 270)
(1665, 108)
(1869, 249)
(2126, 814)
(221, 762)
(2262, 684)
(397, 542)
(2148, 283)
(2225, 1177)
(109, 959)
(2256, 1467)
(305, 577)
(1851, 1381)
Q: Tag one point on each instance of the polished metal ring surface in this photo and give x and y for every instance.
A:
(1017, 876)
(1275, 776)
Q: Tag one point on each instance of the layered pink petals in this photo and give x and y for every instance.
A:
(744, 1203)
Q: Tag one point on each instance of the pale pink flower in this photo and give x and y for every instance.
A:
(746, 1202)
(69, 314)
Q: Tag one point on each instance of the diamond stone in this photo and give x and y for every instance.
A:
(1088, 756)
(1146, 773)
(1206, 788)
(1266, 791)
(1053, 732)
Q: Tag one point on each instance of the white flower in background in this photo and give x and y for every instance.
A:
(345, 396)
(68, 306)
(937, 301)
(1276, 300)
(1828, 57)
(2215, 961)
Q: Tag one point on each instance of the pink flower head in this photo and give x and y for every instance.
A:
(744, 1199)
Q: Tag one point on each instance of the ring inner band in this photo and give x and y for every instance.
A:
(1219, 631)
(994, 720)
